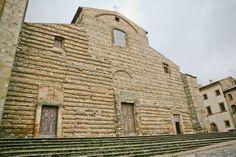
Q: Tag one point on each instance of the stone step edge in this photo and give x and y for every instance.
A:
(30, 141)
(128, 137)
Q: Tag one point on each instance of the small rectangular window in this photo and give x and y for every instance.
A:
(222, 107)
(119, 38)
(58, 42)
(205, 97)
(209, 110)
(217, 92)
(230, 97)
(227, 123)
(166, 68)
(117, 19)
(233, 107)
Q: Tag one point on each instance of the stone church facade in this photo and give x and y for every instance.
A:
(95, 77)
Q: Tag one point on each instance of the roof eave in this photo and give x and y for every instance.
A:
(203, 87)
(76, 15)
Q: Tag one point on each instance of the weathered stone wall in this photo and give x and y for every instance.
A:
(138, 74)
(89, 79)
(2, 2)
(74, 77)
(11, 18)
(198, 114)
(227, 83)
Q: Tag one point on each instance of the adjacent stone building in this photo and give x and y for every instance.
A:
(230, 96)
(219, 104)
(95, 77)
(11, 18)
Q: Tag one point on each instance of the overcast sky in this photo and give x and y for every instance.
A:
(198, 35)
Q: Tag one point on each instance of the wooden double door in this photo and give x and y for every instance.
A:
(128, 121)
(48, 122)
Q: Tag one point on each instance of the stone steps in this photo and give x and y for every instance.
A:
(108, 139)
(123, 137)
(124, 150)
(110, 146)
(80, 145)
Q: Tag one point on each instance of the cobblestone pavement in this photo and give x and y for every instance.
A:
(224, 149)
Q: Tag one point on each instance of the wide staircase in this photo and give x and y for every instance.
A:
(110, 146)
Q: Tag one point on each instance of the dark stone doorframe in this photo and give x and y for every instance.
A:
(179, 123)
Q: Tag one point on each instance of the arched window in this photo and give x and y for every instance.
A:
(217, 92)
(230, 97)
(214, 127)
(233, 107)
(205, 97)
